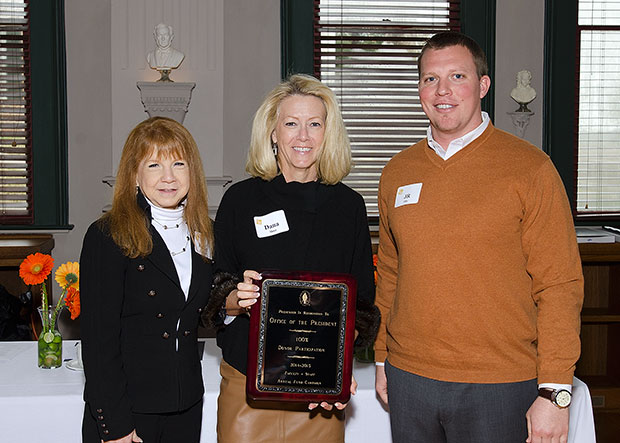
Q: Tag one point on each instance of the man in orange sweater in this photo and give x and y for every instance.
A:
(480, 284)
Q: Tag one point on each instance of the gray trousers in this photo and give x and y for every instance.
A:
(423, 410)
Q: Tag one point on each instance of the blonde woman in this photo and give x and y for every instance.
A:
(146, 277)
(298, 156)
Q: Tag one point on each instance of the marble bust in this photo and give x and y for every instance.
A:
(164, 58)
(523, 93)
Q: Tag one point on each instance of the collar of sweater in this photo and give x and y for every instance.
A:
(467, 150)
(295, 195)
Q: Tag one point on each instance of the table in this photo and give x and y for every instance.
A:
(45, 405)
(39, 405)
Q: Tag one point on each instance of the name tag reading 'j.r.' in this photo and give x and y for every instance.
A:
(271, 224)
(408, 195)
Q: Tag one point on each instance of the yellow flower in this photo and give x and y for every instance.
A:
(68, 275)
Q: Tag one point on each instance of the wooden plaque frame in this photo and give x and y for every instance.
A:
(301, 337)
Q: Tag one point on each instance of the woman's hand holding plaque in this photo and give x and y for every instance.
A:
(241, 299)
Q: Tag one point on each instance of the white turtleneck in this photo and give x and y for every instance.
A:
(175, 233)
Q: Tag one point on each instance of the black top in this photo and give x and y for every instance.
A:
(328, 232)
(130, 311)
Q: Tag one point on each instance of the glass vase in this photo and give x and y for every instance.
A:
(50, 340)
(365, 355)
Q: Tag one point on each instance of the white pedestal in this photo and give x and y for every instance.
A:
(520, 120)
(166, 99)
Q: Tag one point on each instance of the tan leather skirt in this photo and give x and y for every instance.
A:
(240, 420)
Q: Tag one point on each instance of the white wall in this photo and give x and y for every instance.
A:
(89, 115)
(198, 33)
(251, 70)
(519, 45)
(107, 41)
(232, 52)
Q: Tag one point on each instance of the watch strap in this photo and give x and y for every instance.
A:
(546, 393)
(551, 395)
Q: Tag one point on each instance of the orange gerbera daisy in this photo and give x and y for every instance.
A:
(68, 275)
(72, 301)
(35, 268)
(375, 259)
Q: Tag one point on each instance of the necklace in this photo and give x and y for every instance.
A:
(166, 226)
(174, 254)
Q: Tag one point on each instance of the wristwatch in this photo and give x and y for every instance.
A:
(559, 397)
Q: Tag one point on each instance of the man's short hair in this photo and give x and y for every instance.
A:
(447, 39)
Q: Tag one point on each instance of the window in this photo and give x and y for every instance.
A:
(366, 51)
(48, 126)
(598, 122)
(582, 92)
(15, 107)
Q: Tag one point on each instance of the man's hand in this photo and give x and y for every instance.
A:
(546, 423)
(381, 383)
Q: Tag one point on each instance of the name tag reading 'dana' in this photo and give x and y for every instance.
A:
(408, 195)
(271, 224)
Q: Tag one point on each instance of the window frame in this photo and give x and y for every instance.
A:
(49, 118)
(561, 74)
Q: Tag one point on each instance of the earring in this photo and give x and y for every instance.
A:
(274, 148)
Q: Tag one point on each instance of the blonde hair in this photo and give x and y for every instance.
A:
(334, 162)
(127, 222)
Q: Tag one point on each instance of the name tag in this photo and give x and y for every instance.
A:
(271, 224)
(408, 195)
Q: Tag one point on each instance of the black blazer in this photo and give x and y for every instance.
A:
(130, 311)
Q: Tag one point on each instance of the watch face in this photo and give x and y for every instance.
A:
(562, 398)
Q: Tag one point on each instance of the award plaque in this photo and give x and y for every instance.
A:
(301, 337)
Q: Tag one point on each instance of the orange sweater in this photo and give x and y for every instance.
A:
(481, 280)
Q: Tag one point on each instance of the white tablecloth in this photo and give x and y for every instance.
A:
(38, 405)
